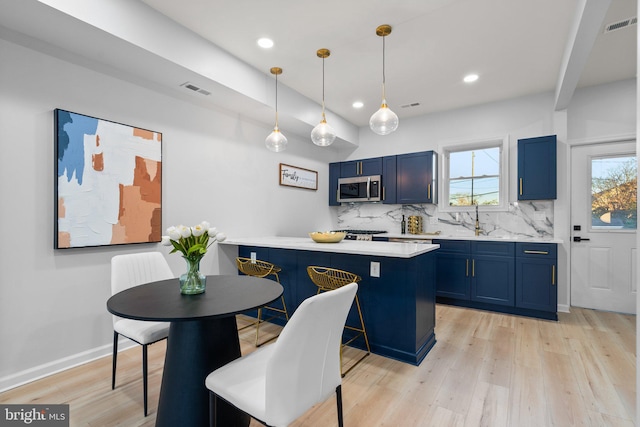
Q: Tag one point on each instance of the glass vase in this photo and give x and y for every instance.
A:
(192, 282)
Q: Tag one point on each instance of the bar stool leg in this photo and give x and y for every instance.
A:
(362, 331)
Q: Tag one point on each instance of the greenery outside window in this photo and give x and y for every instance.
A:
(614, 189)
(475, 173)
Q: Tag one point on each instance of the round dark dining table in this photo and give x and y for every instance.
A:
(203, 336)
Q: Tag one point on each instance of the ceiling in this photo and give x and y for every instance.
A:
(517, 47)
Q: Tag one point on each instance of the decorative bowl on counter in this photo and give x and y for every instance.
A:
(327, 236)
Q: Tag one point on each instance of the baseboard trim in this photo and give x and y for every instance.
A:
(564, 308)
(46, 369)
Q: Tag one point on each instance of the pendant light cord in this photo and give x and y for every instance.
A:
(384, 96)
(277, 101)
(323, 116)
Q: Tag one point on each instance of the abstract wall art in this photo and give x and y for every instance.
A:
(108, 187)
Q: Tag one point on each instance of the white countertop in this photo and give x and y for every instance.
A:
(354, 247)
(524, 239)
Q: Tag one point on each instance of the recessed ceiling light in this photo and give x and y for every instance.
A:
(265, 43)
(470, 78)
(357, 104)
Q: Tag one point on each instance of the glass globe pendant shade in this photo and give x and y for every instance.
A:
(323, 135)
(276, 141)
(384, 121)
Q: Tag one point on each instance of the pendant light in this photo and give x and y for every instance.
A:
(323, 135)
(384, 121)
(276, 141)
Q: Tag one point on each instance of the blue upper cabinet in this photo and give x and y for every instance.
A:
(334, 174)
(537, 168)
(416, 178)
(389, 180)
(361, 167)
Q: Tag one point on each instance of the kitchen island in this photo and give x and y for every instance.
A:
(397, 291)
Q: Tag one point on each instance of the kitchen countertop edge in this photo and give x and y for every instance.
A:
(523, 239)
(354, 247)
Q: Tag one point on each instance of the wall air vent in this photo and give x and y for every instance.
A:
(413, 104)
(620, 24)
(195, 88)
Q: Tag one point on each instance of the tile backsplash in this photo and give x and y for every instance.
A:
(523, 219)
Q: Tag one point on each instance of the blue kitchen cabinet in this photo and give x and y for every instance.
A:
(363, 167)
(398, 307)
(304, 286)
(493, 272)
(389, 180)
(517, 278)
(452, 275)
(416, 175)
(536, 276)
(476, 271)
(537, 170)
(334, 174)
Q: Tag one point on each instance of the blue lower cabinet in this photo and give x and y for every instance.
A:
(492, 279)
(536, 277)
(517, 278)
(476, 271)
(453, 276)
(303, 286)
(398, 307)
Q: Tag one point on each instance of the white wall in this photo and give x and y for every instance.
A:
(215, 167)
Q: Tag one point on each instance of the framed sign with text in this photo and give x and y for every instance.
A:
(293, 176)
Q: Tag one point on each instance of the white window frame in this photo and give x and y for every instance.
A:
(446, 148)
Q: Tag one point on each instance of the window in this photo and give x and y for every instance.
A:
(614, 188)
(475, 173)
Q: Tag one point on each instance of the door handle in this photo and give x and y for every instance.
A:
(579, 239)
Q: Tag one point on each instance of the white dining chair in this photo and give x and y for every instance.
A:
(278, 383)
(128, 271)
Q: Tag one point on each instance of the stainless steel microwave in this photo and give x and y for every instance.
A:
(360, 189)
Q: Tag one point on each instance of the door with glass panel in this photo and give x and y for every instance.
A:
(604, 223)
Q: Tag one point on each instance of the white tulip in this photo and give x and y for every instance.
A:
(205, 225)
(213, 232)
(166, 240)
(198, 230)
(184, 231)
(173, 233)
(220, 237)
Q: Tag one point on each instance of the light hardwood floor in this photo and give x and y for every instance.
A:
(486, 369)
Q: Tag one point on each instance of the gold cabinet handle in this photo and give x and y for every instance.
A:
(429, 191)
(473, 268)
(553, 275)
(467, 273)
(537, 252)
(384, 193)
(521, 186)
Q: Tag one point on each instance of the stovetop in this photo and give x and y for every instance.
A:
(361, 234)
(363, 231)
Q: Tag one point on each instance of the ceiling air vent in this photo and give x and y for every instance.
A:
(413, 104)
(195, 88)
(620, 24)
